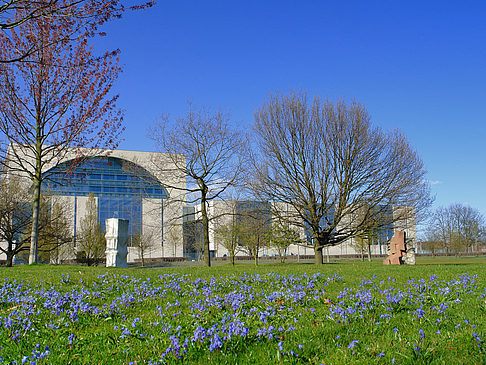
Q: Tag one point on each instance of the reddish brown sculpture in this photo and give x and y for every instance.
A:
(397, 249)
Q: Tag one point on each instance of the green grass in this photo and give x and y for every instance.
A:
(129, 315)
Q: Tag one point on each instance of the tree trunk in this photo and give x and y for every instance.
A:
(318, 260)
(205, 223)
(34, 237)
(142, 256)
(369, 252)
(10, 256)
(232, 258)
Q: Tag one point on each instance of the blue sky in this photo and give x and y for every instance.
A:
(419, 66)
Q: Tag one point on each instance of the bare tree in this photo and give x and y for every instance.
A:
(55, 232)
(143, 241)
(55, 105)
(15, 217)
(457, 227)
(91, 242)
(339, 174)
(363, 242)
(280, 236)
(432, 241)
(203, 147)
(16, 222)
(360, 245)
(254, 225)
(228, 235)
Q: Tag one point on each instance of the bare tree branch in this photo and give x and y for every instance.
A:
(83, 17)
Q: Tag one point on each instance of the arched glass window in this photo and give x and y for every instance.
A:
(119, 185)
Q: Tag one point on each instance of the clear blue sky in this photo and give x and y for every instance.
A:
(419, 66)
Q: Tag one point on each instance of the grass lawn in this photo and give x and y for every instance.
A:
(340, 313)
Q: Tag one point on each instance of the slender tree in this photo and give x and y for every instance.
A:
(143, 241)
(91, 243)
(254, 226)
(15, 217)
(432, 241)
(281, 236)
(16, 222)
(55, 103)
(360, 245)
(338, 173)
(203, 147)
(228, 235)
(363, 242)
(55, 232)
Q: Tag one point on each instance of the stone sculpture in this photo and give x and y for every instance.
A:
(409, 258)
(398, 249)
(116, 242)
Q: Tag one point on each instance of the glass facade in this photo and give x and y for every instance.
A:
(119, 185)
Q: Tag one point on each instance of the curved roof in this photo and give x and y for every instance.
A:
(104, 176)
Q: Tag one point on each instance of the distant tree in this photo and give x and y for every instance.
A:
(365, 240)
(458, 227)
(281, 236)
(432, 244)
(228, 235)
(54, 103)
(143, 241)
(253, 228)
(16, 222)
(471, 226)
(55, 231)
(203, 147)
(441, 228)
(360, 245)
(339, 173)
(91, 242)
(15, 217)
(227, 231)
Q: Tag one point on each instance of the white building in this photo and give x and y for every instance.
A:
(148, 190)
(126, 184)
(227, 212)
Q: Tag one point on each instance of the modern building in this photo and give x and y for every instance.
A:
(148, 190)
(126, 184)
(225, 213)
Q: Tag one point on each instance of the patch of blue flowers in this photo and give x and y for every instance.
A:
(175, 316)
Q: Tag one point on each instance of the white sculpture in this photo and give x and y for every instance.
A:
(116, 242)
